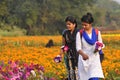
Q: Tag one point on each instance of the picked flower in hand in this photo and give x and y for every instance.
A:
(98, 46)
(58, 59)
(64, 48)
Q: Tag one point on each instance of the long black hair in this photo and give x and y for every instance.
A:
(88, 18)
(72, 20)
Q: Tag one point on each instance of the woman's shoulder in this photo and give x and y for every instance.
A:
(97, 31)
(64, 31)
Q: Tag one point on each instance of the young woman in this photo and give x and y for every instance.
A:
(69, 41)
(89, 66)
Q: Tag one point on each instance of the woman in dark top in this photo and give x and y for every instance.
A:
(69, 40)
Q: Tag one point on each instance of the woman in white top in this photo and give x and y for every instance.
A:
(89, 66)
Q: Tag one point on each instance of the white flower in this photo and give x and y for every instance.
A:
(41, 75)
(58, 56)
(33, 73)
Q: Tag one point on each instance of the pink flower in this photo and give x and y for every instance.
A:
(13, 65)
(98, 46)
(52, 79)
(27, 74)
(15, 77)
(10, 73)
(64, 48)
(25, 65)
(0, 68)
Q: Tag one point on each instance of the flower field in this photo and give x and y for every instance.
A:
(28, 56)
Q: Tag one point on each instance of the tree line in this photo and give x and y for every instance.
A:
(46, 17)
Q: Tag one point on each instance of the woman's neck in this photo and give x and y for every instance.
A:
(71, 31)
(89, 31)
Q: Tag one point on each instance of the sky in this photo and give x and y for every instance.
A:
(117, 1)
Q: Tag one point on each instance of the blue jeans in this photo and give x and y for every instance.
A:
(94, 78)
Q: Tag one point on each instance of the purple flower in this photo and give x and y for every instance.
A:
(15, 70)
(52, 79)
(24, 77)
(0, 68)
(46, 78)
(41, 68)
(28, 69)
(9, 62)
(17, 62)
(58, 59)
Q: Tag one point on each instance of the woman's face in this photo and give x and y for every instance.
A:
(86, 26)
(70, 26)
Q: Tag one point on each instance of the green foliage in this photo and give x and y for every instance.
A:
(11, 31)
(46, 17)
(113, 75)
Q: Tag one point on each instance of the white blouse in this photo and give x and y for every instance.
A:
(91, 67)
(78, 40)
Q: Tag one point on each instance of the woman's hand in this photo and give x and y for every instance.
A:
(61, 52)
(84, 56)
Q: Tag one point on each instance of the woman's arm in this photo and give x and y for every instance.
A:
(79, 47)
(63, 43)
(99, 36)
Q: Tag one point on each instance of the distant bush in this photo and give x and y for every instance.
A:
(12, 31)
